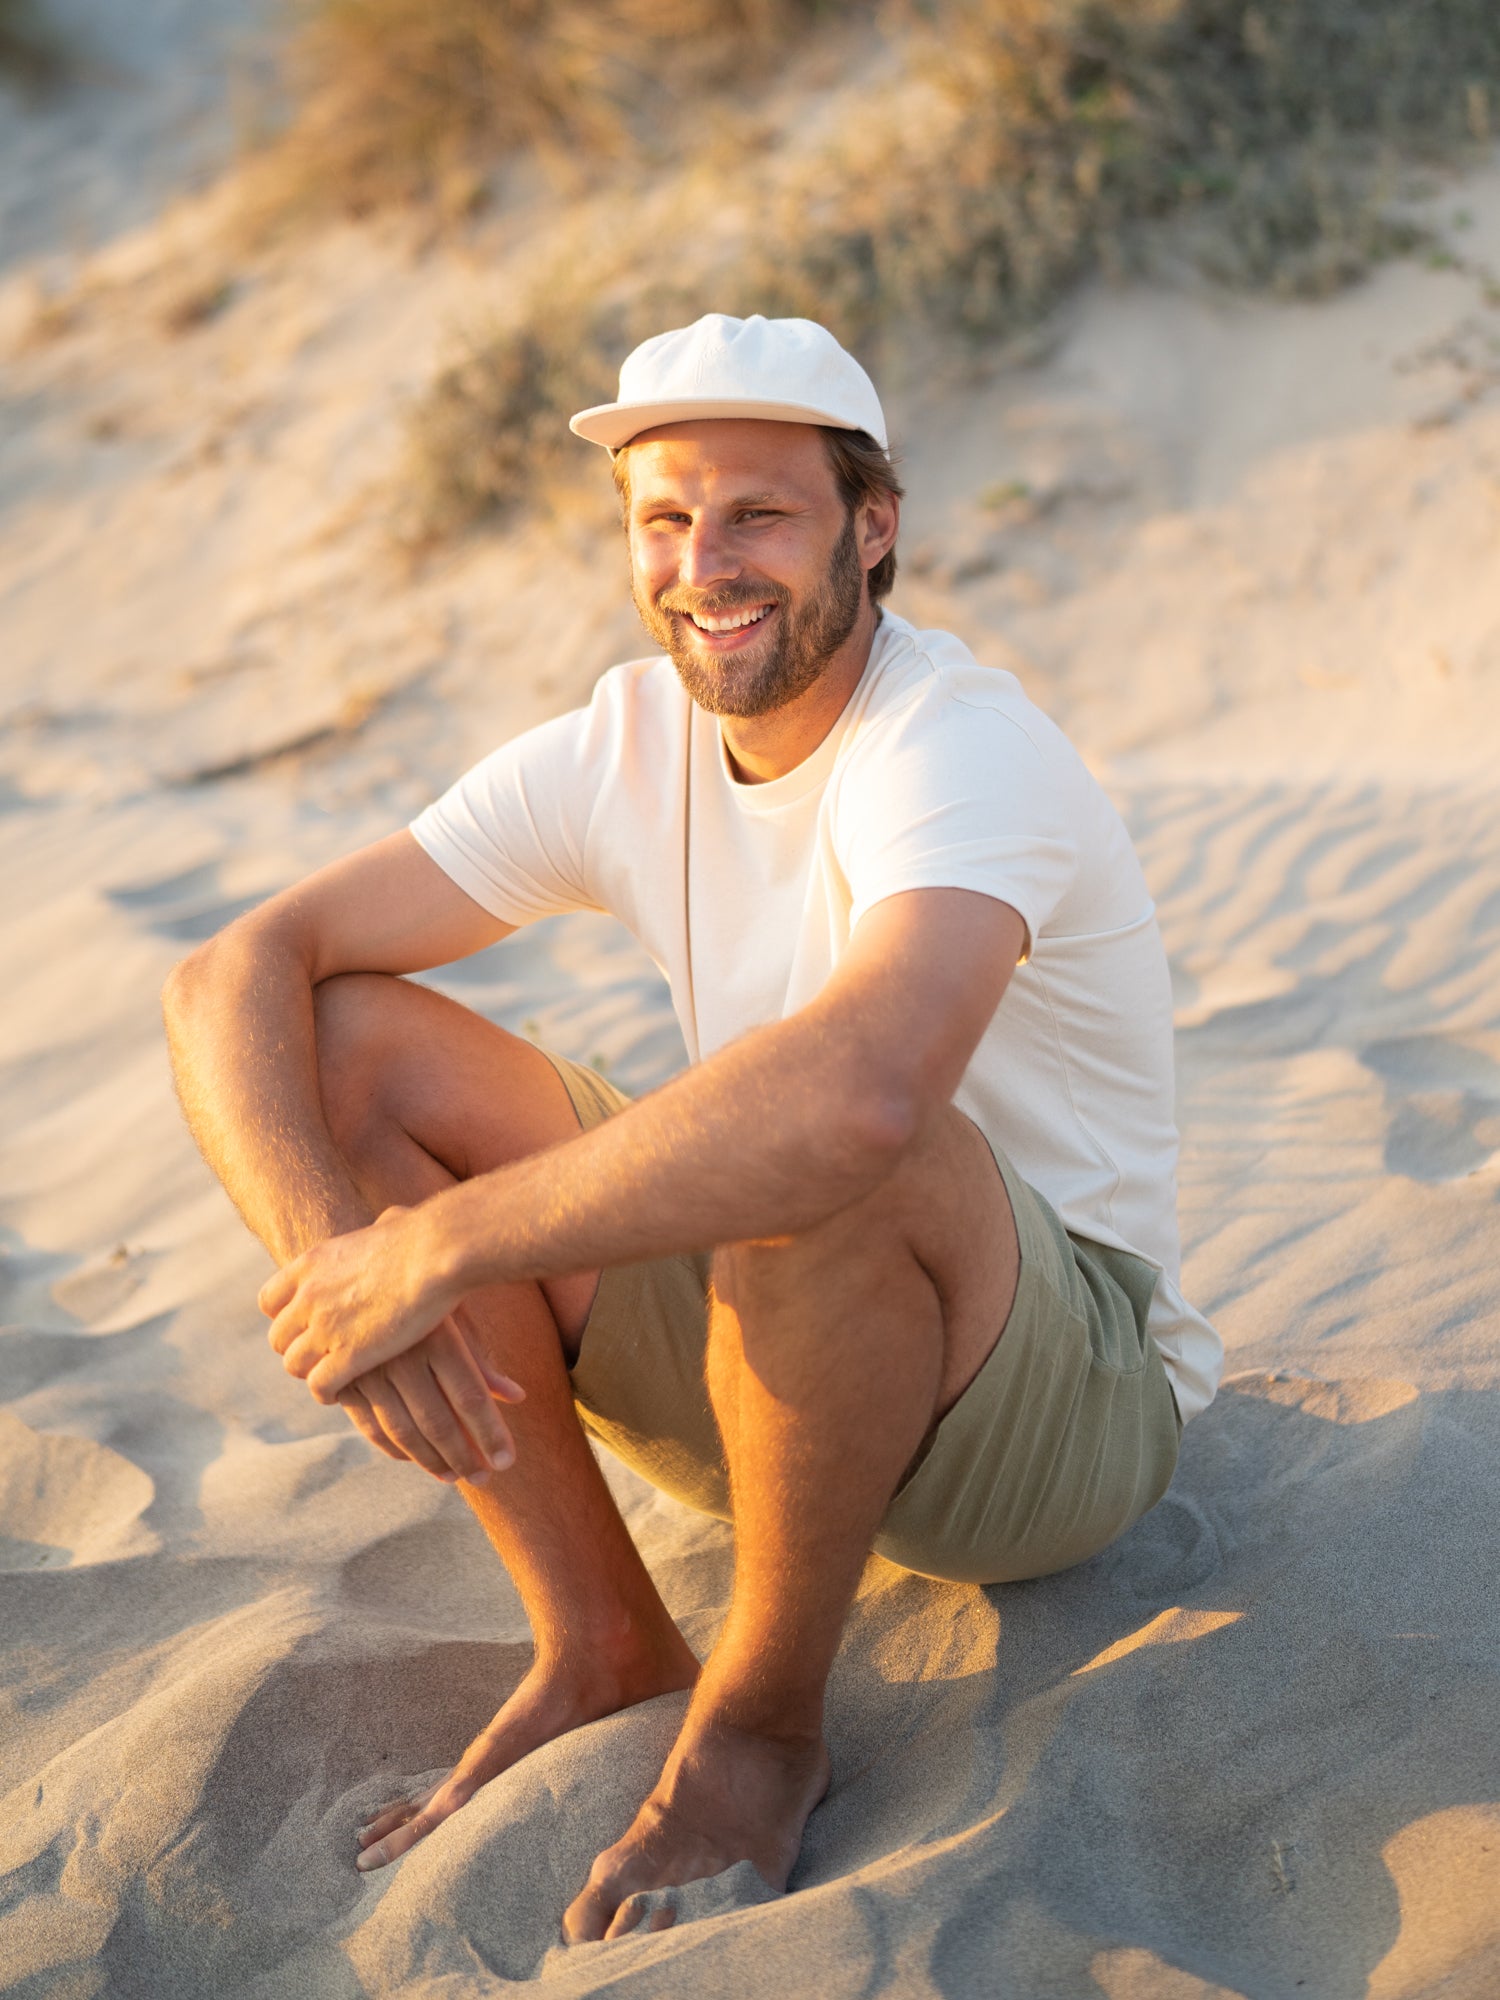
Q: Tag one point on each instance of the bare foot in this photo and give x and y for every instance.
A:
(727, 1794)
(553, 1698)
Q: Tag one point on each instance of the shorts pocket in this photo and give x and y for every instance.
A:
(1118, 1289)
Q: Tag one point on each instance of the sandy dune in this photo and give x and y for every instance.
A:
(1250, 555)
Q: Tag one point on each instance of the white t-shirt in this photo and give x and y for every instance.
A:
(940, 774)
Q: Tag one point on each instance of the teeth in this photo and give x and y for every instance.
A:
(731, 622)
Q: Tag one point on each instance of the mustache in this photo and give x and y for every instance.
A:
(716, 603)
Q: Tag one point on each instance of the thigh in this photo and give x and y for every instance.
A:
(949, 1205)
(1066, 1436)
(473, 1096)
(639, 1380)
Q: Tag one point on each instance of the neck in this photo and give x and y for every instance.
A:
(762, 747)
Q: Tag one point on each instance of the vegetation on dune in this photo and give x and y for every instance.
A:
(1051, 131)
(31, 54)
(404, 100)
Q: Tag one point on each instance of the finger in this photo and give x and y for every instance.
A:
(506, 1387)
(400, 1425)
(285, 1328)
(301, 1356)
(424, 1398)
(460, 1325)
(364, 1420)
(276, 1292)
(454, 1371)
(324, 1374)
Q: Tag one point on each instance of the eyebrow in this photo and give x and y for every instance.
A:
(665, 499)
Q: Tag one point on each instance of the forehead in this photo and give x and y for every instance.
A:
(728, 456)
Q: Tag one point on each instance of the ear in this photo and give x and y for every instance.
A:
(876, 525)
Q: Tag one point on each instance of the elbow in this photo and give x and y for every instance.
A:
(183, 987)
(190, 987)
(875, 1128)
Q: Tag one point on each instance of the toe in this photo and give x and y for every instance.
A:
(391, 1846)
(394, 1811)
(587, 1917)
(627, 1917)
(385, 1822)
(646, 1910)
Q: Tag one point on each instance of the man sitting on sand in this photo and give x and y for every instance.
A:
(891, 1265)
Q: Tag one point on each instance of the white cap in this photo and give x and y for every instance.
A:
(790, 371)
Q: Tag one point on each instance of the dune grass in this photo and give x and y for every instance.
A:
(406, 101)
(1051, 135)
(32, 55)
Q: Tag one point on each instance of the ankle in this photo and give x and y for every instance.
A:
(616, 1651)
(786, 1719)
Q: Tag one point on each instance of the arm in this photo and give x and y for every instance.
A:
(768, 1137)
(239, 1014)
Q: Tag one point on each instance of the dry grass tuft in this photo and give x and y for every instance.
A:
(32, 56)
(400, 101)
(1046, 136)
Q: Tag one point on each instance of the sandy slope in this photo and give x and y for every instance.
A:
(1251, 556)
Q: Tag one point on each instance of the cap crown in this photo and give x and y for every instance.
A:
(786, 370)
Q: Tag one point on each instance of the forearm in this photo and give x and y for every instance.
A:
(240, 1029)
(767, 1138)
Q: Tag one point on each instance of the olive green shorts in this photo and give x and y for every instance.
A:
(1066, 1435)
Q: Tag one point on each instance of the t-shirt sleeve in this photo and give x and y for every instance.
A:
(958, 795)
(512, 831)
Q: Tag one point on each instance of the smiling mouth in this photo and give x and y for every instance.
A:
(728, 621)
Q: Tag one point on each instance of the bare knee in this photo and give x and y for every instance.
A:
(869, 1233)
(935, 1242)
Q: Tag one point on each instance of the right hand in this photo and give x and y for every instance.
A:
(437, 1405)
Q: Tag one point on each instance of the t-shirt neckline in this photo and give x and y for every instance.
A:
(772, 794)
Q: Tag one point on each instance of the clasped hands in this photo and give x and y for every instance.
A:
(361, 1319)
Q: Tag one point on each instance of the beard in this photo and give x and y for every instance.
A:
(762, 677)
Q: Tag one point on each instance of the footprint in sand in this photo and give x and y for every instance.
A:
(67, 1501)
(104, 1284)
(1443, 1100)
(1170, 1551)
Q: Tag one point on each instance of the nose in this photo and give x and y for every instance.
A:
(706, 555)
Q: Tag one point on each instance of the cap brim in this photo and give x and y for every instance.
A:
(615, 424)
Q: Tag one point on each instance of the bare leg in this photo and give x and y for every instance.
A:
(829, 1356)
(418, 1091)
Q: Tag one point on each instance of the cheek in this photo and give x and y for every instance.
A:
(651, 570)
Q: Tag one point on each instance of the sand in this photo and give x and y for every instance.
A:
(1249, 554)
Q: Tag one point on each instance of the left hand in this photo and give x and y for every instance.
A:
(354, 1301)
(437, 1406)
